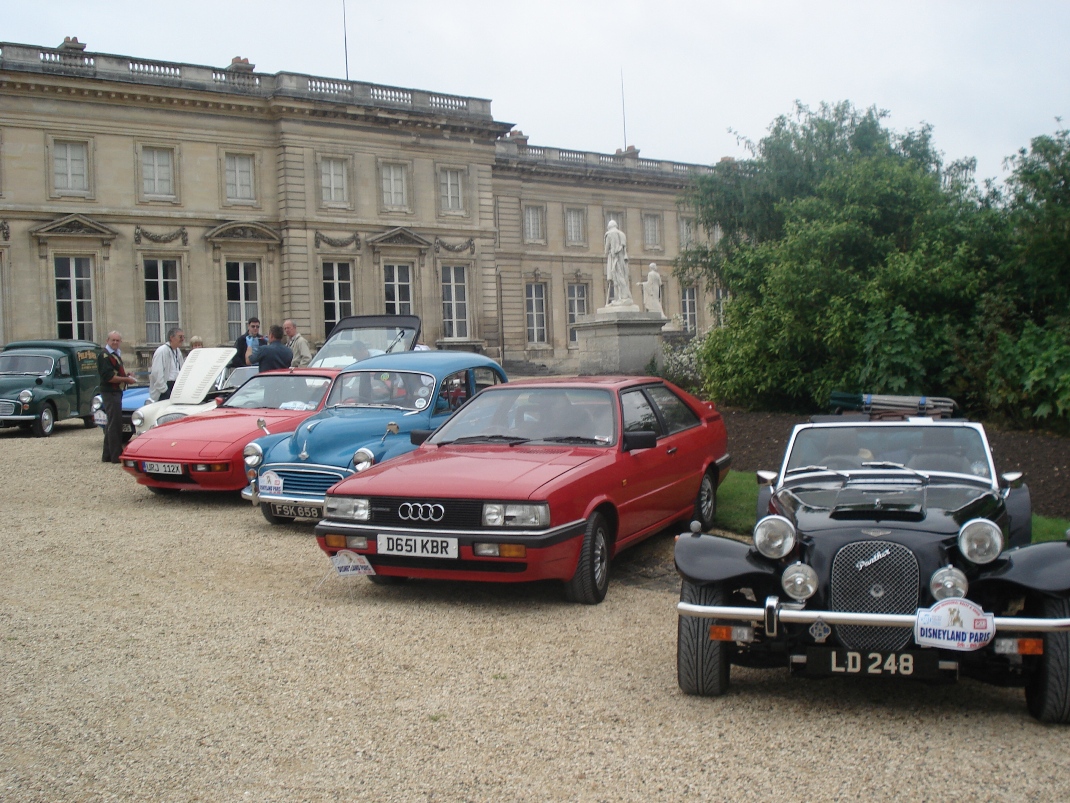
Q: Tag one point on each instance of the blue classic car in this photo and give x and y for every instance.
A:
(367, 419)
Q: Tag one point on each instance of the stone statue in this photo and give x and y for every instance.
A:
(617, 265)
(652, 291)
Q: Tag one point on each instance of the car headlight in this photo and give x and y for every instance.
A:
(980, 541)
(774, 536)
(363, 459)
(347, 508)
(799, 581)
(25, 396)
(167, 419)
(98, 402)
(948, 582)
(136, 418)
(252, 454)
(507, 514)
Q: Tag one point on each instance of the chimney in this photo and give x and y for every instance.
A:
(238, 64)
(71, 43)
(519, 137)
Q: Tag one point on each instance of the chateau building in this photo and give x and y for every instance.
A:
(139, 195)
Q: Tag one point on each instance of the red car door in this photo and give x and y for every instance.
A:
(648, 471)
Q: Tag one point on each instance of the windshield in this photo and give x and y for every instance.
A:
(36, 364)
(941, 448)
(280, 392)
(406, 390)
(348, 346)
(519, 415)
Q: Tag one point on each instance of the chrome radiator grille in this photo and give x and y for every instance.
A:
(874, 577)
(309, 481)
(7, 408)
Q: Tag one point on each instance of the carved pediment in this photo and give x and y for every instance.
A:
(400, 237)
(74, 226)
(244, 231)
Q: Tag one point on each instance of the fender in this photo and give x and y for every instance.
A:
(713, 559)
(1038, 567)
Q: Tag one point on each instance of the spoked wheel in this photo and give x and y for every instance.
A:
(706, 502)
(45, 422)
(1047, 693)
(591, 580)
(702, 665)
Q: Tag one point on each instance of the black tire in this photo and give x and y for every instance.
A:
(706, 501)
(272, 518)
(45, 422)
(88, 422)
(702, 666)
(162, 491)
(589, 584)
(387, 579)
(1047, 694)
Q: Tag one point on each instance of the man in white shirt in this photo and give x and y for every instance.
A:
(298, 345)
(166, 363)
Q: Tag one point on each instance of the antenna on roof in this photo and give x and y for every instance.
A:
(623, 115)
(345, 37)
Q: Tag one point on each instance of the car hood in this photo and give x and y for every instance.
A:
(211, 434)
(11, 384)
(331, 437)
(199, 373)
(939, 508)
(133, 398)
(480, 472)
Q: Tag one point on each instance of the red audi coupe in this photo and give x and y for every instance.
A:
(204, 452)
(533, 480)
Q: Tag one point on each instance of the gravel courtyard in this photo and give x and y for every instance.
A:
(182, 649)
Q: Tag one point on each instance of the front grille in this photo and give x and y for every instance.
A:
(459, 514)
(312, 481)
(7, 408)
(874, 577)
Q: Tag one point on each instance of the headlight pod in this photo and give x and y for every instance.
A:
(980, 541)
(167, 419)
(502, 514)
(136, 418)
(774, 536)
(25, 396)
(363, 459)
(98, 402)
(252, 454)
(799, 581)
(948, 582)
(347, 508)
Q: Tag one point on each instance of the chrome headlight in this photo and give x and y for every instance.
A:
(799, 581)
(347, 508)
(980, 541)
(25, 396)
(948, 582)
(774, 536)
(136, 418)
(363, 459)
(252, 454)
(501, 514)
(98, 402)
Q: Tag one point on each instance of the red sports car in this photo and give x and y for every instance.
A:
(533, 480)
(204, 452)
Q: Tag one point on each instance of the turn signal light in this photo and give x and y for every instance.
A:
(730, 633)
(1019, 646)
(499, 550)
(335, 541)
(210, 467)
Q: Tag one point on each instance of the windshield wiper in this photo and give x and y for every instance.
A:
(816, 468)
(395, 341)
(512, 440)
(891, 464)
(572, 439)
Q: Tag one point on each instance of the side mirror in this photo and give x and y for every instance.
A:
(418, 436)
(1012, 479)
(219, 400)
(766, 477)
(643, 439)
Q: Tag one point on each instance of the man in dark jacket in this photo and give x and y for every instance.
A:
(113, 380)
(274, 355)
(252, 339)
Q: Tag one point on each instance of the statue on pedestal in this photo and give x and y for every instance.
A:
(617, 266)
(652, 291)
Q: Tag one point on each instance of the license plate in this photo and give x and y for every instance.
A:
(100, 418)
(298, 511)
(872, 663)
(417, 546)
(163, 468)
(126, 427)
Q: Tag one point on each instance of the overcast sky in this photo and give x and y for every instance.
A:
(988, 76)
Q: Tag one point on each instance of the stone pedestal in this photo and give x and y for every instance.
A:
(618, 342)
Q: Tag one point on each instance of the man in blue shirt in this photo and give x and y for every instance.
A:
(252, 339)
(274, 355)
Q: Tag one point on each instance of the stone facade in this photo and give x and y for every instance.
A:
(137, 194)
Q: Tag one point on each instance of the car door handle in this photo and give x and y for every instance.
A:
(671, 450)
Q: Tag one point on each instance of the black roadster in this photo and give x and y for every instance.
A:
(883, 547)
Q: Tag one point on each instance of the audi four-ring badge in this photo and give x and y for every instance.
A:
(542, 479)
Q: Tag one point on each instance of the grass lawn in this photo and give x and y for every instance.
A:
(737, 499)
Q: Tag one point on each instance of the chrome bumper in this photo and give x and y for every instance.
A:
(775, 612)
(18, 418)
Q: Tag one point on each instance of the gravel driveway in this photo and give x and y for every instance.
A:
(181, 649)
